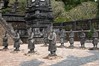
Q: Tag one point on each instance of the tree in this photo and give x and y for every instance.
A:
(6, 2)
(69, 4)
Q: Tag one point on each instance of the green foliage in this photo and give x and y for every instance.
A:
(76, 9)
(7, 10)
(21, 9)
(89, 35)
(22, 6)
(86, 10)
(60, 19)
(69, 4)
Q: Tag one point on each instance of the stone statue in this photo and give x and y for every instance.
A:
(16, 41)
(52, 43)
(62, 37)
(45, 38)
(31, 44)
(71, 38)
(5, 41)
(82, 39)
(37, 32)
(95, 39)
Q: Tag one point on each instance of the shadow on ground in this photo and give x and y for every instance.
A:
(77, 61)
(69, 61)
(34, 62)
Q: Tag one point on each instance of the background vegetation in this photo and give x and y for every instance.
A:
(66, 10)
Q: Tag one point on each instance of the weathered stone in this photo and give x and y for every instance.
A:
(37, 32)
(95, 39)
(5, 41)
(45, 37)
(2, 32)
(82, 39)
(62, 37)
(52, 43)
(17, 42)
(71, 38)
(31, 44)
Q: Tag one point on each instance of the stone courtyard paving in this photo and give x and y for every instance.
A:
(66, 56)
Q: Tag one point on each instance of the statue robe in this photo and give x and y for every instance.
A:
(31, 44)
(17, 41)
(52, 42)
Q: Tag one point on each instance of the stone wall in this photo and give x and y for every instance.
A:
(2, 32)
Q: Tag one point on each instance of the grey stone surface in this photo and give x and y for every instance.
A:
(66, 57)
(31, 63)
(78, 61)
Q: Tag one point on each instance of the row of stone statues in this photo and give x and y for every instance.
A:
(31, 42)
(82, 37)
(50, 39)
(16, 41)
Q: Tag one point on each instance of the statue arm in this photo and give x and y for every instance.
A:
(32, 35)
(50, 37)
(18, 37)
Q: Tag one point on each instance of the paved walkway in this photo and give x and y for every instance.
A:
(66, 56)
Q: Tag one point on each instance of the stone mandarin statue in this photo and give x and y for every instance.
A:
(95, 39)
(16, 41)
(71, 38)
(52, 43)
(45, 38)
(37, 32)
(62, 37)
(82, 39)
(31, 44)
(5, 41)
